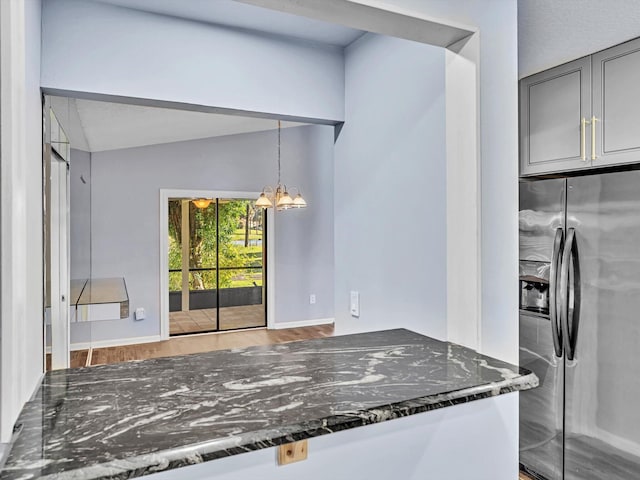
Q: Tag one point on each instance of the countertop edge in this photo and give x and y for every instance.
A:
(207, 451)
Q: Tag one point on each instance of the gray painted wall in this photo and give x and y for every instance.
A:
(125, 217)
(80, 214)
(552, 32)
(390, 180)
(118, 51)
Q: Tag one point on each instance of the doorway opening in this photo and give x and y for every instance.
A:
(217, 261)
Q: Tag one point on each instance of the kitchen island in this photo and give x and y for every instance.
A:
(139, 418)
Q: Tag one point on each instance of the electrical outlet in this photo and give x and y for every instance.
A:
(312, 299)
(354, 304)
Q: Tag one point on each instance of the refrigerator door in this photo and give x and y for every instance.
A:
(541, 408)
(541, 213)
(542, 207)
(602, 420)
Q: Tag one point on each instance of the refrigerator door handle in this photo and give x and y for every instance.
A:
(570, 292)
(558, 244)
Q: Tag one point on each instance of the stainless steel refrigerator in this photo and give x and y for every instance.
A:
(580, 326)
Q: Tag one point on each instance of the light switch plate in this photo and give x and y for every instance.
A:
(355, 304)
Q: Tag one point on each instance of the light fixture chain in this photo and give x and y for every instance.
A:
(278, 152)
(279, 197)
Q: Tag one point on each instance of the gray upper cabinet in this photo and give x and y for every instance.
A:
(616, 104)
(555, 106)
(583, 114)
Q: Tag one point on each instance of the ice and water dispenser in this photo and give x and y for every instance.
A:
(534, 286)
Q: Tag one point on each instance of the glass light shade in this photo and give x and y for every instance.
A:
(202, 202)
(299, 202)
(263, 201)
(285, 202)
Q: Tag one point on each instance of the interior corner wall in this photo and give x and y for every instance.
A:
(125, 186)
(497, 24)
(390, 180)
(104, 49)
(22, 280)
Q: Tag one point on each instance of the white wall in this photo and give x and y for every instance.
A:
(125, 217)
(117, 51)
(472, 440)
(499, 163)
(497, 21)
(21, 321)
(551, 32)
(390, 181)
(498, 90)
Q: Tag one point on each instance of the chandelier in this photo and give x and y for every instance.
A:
(279, 196)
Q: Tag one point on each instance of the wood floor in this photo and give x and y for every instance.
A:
(204, 320)
(187, 344)
(78, 359)
(523, 476)
(205, 343)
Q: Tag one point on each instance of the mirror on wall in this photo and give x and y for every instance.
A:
(78, 157)
(56, 239)
(73, 295)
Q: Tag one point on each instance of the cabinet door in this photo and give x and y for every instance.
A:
(616, 98)
(553, 105)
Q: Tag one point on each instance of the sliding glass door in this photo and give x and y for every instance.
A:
(241, 260)
(217, 261)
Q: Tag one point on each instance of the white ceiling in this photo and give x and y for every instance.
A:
(98, 126)
(239, 15)
(552, 32)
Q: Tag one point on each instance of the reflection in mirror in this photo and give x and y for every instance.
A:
(73, 297)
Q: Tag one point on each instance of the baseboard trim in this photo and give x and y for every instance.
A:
(116, 342)
(302, 323)
(616, 441)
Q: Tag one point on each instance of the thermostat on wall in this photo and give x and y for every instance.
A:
(140, 314)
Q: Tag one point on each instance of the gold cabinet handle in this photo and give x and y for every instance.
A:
(593, 137)
(583, 140)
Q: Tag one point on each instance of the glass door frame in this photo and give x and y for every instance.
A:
(268, 236)
(56, 234)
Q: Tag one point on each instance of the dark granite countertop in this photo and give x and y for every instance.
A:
(135, 418)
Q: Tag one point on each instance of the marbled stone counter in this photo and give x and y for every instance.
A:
(132, 419)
